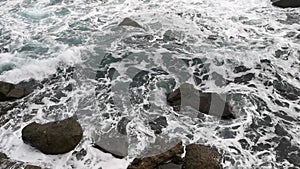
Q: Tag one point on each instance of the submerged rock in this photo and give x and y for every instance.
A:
(199, 156)
(5, 162)
(114, 143)
(155, 161)
(130, 22)
(208, 103)
(55, 137)
(287, 3)
(158, 124)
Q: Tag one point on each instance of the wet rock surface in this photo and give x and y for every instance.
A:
(244, 78)
(207, 103)
(286, 3)
(285, 150)
(158, 124)
(155, 161)
(199, 156)
(55, 137)
(7, 163)
(130, 22)
(112, 142)
(122, 124)
(241, 68)
(9, 91)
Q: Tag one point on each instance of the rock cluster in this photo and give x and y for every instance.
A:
(197, 156)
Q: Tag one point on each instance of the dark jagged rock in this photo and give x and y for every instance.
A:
(158, 124)
(4, 50)
(6, 163)
(80, 154)
(121, 126)
(245, 78)
(30, 85)
(286, 90)
(241, 68)
(9, 91)
(286, 151)
(130, 22)
(279, 130)
(155, 161)
(199, 156)
(287, 3)
(113, 142)
(55, 137)
(208, 103)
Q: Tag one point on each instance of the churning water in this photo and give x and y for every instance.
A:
(101, 72)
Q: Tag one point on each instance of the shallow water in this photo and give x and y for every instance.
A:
(120, 72)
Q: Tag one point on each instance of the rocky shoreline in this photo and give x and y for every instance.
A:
(63, 136)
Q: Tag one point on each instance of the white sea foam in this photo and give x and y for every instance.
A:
(79, 33)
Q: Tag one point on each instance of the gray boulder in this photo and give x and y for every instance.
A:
(55, 137)
(114, 143)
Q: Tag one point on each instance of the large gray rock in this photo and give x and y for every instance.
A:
(199, 156)
(112, 142)
(55, 137)
(208, 103)
(287, 3)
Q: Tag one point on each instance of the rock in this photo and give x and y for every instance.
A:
(130, 22)
(55, 137)
(280, 131)
(207, 103)
(5, 162)
(171, 35)
(286, 90)
(4, 50)
(199, 156)
(287, 3)
(155, 161)
(286, 151)
(114, 143)
(9, 91)
(241, 68)
(245, 78)
(30, 85)
(158, 124)
(122, 124)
